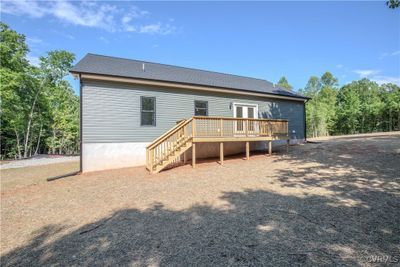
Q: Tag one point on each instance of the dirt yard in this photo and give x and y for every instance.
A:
(336, 202)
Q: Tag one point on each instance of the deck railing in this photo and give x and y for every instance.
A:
(238, 127)
(164, 145)
(207, 128)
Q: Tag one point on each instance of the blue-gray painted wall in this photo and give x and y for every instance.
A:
(111, 111)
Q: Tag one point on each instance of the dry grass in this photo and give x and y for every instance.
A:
(34, 175)
(334, 203)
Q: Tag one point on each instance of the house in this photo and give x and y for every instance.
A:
(128, 105)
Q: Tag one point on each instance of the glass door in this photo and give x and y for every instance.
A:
(239, 123)
(244, 111)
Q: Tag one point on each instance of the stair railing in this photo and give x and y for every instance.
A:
(158, 153)
(164, 146)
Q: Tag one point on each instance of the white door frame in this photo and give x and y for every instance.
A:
(239, 130)
(255, 106)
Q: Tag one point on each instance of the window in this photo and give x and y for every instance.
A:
(148, 111)
(200, 108)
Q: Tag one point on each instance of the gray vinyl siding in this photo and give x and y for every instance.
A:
(111, 111)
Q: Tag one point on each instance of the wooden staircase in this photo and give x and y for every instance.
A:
(169, 147)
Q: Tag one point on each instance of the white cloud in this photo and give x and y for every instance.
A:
(101, 15)
(366, 73)
(374, 75)
(33, 60)
(383, 55)
(34, 40)
(386, 79)
(157, 28)
(86, 14)
(396, 53)
(23, 7)
(104, 40)
(339, 66)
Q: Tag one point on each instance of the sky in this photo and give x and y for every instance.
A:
(264, 40)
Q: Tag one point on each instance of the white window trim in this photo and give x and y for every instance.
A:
(255, 106)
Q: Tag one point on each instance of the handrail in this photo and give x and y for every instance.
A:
(232, 118)
(169, 147)
(169, 133)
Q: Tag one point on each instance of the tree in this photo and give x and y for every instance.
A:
(393, 4)
(328, 80)
(314, 116)
(390, 115)
(15, 85)
(13, 49)
(35, 100)
(348, 110)
(283, 82)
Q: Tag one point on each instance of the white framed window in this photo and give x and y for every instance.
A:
(200, 108)
(147, 111)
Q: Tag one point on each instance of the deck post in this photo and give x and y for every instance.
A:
(151, 161)
(221, 153)
(193, 128)
(287, 145)
(147, 159)
(194, 155)
(270, 148)
(247, 150)
(184, 157)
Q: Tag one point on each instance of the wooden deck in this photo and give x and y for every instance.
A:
(169, 147)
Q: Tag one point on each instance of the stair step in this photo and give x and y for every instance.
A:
(174, 153)
(162, 163)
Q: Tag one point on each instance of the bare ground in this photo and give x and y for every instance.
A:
(22, 177)
(332, 203)
(37, 161)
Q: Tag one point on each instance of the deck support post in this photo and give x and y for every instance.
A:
(270, 148)
(184, 157)
(194, 155)
(287, 145)
(221, 153)
(151, 162)
(247, 150)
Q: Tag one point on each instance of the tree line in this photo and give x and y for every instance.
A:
(39, 109)
(361, 106)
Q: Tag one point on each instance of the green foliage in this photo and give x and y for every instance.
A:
(36, 103)
(13, 49)
(283, 82)
(359, 107)
(393, 4)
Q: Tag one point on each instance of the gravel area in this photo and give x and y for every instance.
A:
(14, 178)
(333, 203)
(37, 161)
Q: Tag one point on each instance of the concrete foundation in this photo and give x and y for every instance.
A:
(104, 156)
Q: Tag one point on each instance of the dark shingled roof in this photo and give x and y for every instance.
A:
(105, 65)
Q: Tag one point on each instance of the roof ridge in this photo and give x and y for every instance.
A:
(188, 68)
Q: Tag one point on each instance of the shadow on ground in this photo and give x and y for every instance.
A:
(359, 218)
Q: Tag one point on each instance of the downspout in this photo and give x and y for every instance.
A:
(305, 121)
(80, 124)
